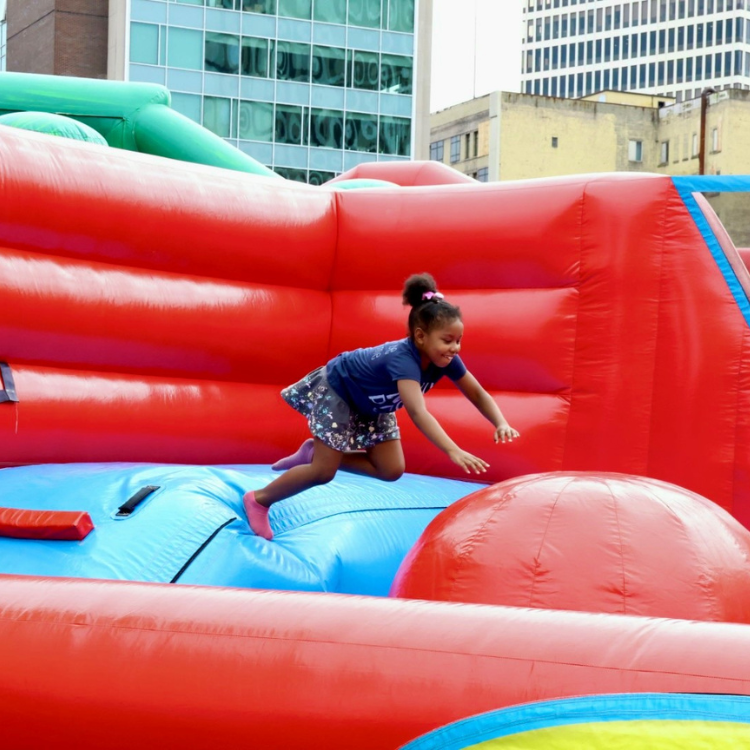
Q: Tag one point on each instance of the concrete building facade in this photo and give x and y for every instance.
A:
(310, 88)
(677, 48)
(508, 136)
(3, 35)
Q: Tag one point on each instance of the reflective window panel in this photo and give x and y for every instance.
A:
(395, 136)
(396, 74)
(296, 8)
(256, 121)
(291, 124)
(329, 66)
(144, 43)
(185, 48)
(217, 115)
(255, 57)
(361, 133)
(365, 70)
(222, 53)
(326, 128)
(292, 61)
(330, 11)
(365, 13)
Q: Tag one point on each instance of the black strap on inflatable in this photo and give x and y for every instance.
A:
(200, 549)
(9, 392)
(131, 503)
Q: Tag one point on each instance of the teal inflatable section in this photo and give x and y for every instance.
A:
(349, 536)
(130, 116)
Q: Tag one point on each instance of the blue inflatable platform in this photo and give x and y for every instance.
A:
(349, 536)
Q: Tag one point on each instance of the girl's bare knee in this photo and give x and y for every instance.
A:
(391, 473)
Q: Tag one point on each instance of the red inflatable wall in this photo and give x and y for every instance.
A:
(153, 309)
(123, 665)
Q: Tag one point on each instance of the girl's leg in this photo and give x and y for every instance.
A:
(383, 461)
(303, 455)
(325, 464)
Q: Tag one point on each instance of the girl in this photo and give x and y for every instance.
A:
(350, 405)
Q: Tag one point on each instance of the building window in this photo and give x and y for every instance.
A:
(292, 61)
(361, 133)
(715, 142)
(329, 66)
(331, 12)
(695, 144)
(296, 8)
(217, 115)
(554, 141)
(483, 174)
(395, 136)
(144, 43)
(326, 128)
(664, 153)
(222, 53)
(289, 124)
(267, 7)
(475, 152)
(254, 61)
(400, 14)
(455, 149)
(185, 48)
(396, 74)
(467, 151)
(437, 150)
(365, 13)
(635, 151)
(256, 121)
(365, 70)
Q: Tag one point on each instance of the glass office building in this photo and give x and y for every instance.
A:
(672, 48)
(311, 88)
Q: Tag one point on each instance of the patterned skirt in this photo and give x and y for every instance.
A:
(332, 420)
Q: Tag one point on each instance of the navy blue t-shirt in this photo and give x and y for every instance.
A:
(367, 378)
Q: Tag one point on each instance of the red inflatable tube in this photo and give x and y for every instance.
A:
(123, 665)
(69, 525)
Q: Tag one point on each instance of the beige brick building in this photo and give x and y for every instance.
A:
(507, 136)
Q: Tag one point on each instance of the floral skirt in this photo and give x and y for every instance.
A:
(332, 420)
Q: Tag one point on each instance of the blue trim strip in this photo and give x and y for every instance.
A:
(585, 710)
(686, 186)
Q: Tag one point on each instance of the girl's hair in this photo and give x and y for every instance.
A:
(429, 313)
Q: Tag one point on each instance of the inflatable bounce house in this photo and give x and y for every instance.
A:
(158, 290)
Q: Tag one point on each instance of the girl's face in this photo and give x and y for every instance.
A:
(440, 345)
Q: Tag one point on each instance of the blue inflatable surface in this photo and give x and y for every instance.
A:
(349, 536)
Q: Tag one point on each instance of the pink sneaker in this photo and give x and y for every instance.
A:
(257, 516)
(304, 455)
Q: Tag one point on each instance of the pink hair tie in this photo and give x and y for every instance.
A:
(432, 295)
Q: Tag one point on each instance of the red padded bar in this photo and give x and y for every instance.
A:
(162, 213)
(62, 525)
(501, 339)
(522, 235)
(67, 416)
(63, 312)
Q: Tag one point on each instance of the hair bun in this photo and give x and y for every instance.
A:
(416, 286)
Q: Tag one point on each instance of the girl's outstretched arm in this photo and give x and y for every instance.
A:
(414, 403)
(471, 388)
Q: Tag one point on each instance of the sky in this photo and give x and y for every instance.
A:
(476, 48)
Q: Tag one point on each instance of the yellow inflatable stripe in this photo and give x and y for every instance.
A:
(628, 735)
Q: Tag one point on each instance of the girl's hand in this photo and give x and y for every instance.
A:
(506, 433)
(468, 462)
